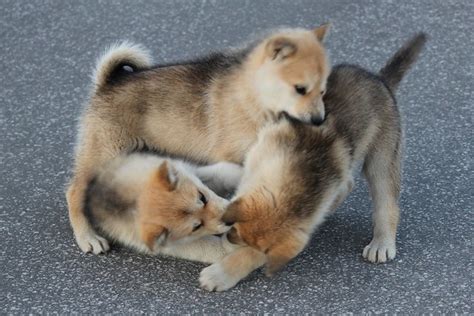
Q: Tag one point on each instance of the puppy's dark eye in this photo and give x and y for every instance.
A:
(202, 198)
(127, 68)
(301, 90)
(196, 226)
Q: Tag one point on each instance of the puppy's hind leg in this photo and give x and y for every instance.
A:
(86, 237)
(95, 148)
(382, 170)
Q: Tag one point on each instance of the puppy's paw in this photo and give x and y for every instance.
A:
(89, 241)
(214, 278)
(380, 250)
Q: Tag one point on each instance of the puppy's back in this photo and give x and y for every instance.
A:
(362, 105)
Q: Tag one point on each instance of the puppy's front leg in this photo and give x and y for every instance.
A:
(344, 192)
(221, 176)
(226, 273)
(208, 249)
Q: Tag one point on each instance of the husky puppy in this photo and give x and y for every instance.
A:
(296, 173)
(157, 205)
(206, 110)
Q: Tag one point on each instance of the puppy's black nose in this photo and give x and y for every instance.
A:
(317, 119)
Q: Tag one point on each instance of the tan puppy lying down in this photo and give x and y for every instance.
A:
(160, 206)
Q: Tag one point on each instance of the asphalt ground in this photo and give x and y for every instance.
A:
(47, 51)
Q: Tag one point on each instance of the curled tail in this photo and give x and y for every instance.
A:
(393, 72)
(113, 61)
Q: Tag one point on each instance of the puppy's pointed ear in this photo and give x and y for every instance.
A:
(153, 234)
(234, 213)
(167, 176)
(322, 31)
(280, 48)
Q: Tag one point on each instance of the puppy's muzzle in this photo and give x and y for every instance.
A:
(317, 119)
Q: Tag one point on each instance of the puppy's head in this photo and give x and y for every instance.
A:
(257, 225)
(176, 207)
(291, 73)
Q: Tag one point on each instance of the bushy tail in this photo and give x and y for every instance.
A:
(392, 73)
(115, 58)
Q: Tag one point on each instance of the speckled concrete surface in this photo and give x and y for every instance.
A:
(47, 50)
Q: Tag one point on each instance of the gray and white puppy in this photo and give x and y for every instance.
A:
(296, 173)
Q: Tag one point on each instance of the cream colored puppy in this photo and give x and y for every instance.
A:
(208, 110)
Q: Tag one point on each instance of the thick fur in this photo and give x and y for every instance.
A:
(398, 65)
(111, 64)
(296, 173)
(156, 205)
(207, 110)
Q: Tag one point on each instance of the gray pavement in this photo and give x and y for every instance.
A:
(47, 51)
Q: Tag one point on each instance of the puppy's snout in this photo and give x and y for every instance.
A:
(317, 119)
(318, 114)
(220, 229)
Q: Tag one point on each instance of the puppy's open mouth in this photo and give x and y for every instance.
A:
(219, 235)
